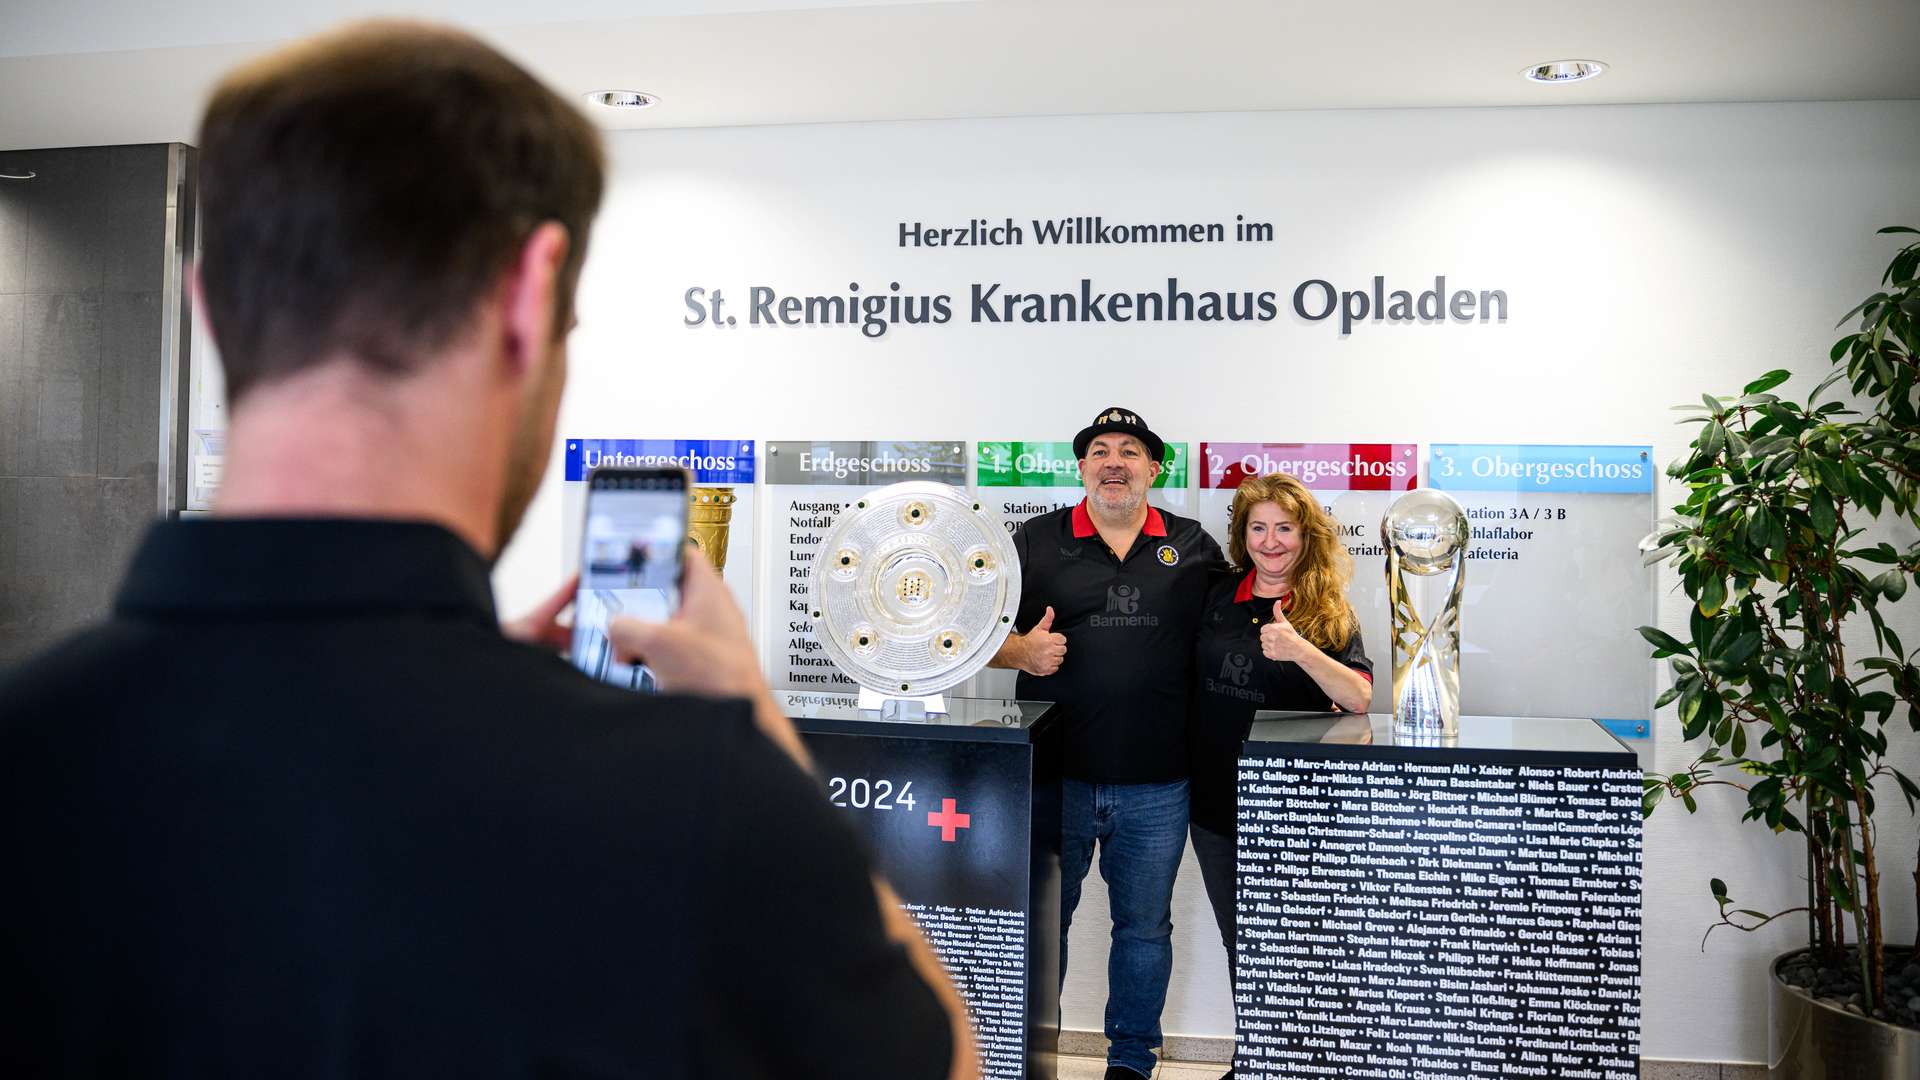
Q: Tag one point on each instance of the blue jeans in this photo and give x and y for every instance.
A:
(1142, 831)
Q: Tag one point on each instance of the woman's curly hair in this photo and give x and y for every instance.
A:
(1322, 568)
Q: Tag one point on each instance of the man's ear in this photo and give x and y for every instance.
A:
(532, 289)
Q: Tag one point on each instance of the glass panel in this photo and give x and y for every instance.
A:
(1548, 734)
(964, 712)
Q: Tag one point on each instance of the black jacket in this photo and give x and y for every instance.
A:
(299, 810)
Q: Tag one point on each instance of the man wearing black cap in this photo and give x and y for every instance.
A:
(1110, 597)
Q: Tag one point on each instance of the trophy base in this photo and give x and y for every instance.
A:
(902, 708)
(1435, 728)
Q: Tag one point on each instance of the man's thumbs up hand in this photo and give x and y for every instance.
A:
(1044, 648)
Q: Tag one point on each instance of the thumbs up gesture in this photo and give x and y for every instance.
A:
(1044, 648)
(1280, 641)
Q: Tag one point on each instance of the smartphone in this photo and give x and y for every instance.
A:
(630, 563)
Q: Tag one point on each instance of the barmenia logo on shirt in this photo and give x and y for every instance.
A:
(1234, 672)
(1123, 601)
(1237, 667)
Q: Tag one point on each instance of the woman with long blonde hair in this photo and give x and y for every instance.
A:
(1277, 632)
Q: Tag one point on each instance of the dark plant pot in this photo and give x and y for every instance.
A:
(1811, 1040)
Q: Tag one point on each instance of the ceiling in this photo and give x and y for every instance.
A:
(91, 72)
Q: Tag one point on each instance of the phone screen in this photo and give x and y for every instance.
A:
(630, 564)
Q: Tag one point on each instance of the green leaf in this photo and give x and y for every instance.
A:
(1768, 381)
(1858, 308)
(1711, 708)
(1666, 643)
(1879, 702)
(1896, 229)
(1713, 438)
(1907, 788)
(1832, 476)
(1884, 554)
(1713, 595)
(1726, 630)
(1892, 584)
(1882, 368)
(1739, 746)
(1707, 709)
(1690, 698)
(1719, 888)
(1742, 648)
(1824, 383)
(1821, 510)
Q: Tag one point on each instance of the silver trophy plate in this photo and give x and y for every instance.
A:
(915, 589)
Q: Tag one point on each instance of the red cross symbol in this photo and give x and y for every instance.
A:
(947, 821)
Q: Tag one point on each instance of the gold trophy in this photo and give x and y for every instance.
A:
(709, 518)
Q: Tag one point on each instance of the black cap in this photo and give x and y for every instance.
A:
(1125, 421)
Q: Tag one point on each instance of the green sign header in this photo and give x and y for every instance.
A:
(1052, 464)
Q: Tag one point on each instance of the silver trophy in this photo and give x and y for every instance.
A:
(1426, 536)
(914, 591)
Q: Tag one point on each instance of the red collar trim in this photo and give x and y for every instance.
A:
(1083, 522)
(1244, 593)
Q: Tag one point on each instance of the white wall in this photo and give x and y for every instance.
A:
(1649, 253)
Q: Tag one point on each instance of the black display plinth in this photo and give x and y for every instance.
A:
(1460, 908)
(963, 812)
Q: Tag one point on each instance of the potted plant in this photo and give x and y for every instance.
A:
(1772, 545)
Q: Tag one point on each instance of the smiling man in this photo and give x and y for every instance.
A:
(1111, 593)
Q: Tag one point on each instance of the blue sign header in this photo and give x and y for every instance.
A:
(712, 461)
(1505, 467)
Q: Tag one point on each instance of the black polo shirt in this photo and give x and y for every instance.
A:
(1233, 681)
(1129, 624)
(299, 810)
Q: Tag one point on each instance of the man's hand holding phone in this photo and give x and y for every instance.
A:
(704, 649)
(542, 627)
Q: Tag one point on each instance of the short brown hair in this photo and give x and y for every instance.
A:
(361, 190)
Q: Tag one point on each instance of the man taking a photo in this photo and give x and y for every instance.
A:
(298, 808)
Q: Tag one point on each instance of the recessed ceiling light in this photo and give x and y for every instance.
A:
(1564, 71)
(623, 99)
